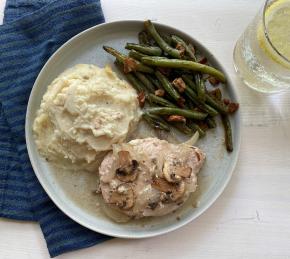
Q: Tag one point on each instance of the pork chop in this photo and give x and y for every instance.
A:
(149, 177)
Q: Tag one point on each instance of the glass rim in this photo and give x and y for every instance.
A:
(267, 34)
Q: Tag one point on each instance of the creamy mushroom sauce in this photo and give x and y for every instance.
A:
(80, 186)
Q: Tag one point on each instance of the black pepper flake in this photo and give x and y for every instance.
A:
(152, 205)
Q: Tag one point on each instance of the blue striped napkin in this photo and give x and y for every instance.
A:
(32, 31)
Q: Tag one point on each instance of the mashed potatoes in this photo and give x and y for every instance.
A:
(85, 110)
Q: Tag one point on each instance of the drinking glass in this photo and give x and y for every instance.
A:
(262, 53)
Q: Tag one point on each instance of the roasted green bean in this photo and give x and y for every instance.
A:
(135, 83)
(213, 102)
(135, 64)
(177, 40)
(203, 106)
(200, 88)
(210, 122)
(160, 101)
(189, 82)
(185, 103)
(148, 50)
(143, 38)
(177, 111)
(183, 128)
(228, 132)
(167, 86)
(154, 81)
(216, 93)
(143, 78)
(156, 121)
(136, 55)
(167, 39)
(162, 44)
(185, 64)
(195, 127)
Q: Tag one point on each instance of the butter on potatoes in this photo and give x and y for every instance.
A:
(84, 111)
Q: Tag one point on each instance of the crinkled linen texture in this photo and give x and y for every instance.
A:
(33, 30)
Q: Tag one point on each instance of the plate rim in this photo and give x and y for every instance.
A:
(179, 224)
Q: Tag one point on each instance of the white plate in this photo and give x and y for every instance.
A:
(86, 47)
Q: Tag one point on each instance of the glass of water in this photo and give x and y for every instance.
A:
(262, 53)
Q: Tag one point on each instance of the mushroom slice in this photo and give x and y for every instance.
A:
(174, 174)
(174, 190)
(123, 197)
(124, 157)
(127, 172)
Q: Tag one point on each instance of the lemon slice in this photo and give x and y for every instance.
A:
(277, 18)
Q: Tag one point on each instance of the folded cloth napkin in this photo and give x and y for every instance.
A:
(32, 31)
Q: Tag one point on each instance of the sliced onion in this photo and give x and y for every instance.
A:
(192, 140)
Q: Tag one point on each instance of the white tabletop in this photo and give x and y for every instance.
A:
(251, 219)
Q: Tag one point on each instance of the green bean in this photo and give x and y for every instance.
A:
(150, 87)
(162, 44)
(148, 50)
(182, 128)
(136, 55)
(160, 101)
(210, 122)
(195, 127)
(200, 88)
(216, 93)
(143, 38)
(154, 81)
(228, 132)
(135, 83)
(203, 106)
(215, 103)
(167, 86)
(167, 39)
(186, 64)
(123, 58)
(189, 82)
(155, 121)
(177, 111)
(177, 40)
(119, 56)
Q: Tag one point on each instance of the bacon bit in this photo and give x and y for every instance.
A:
(181, 49)
(227, 101)
(203, 125)
(213, 80)
(164, 70)
(203, 60)
(232, 107)
(179, 84)
(216, 93)
(159, 92)
(176, 118)
(129, 65)
(141, 99)
(181, 102)
(191, 48)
